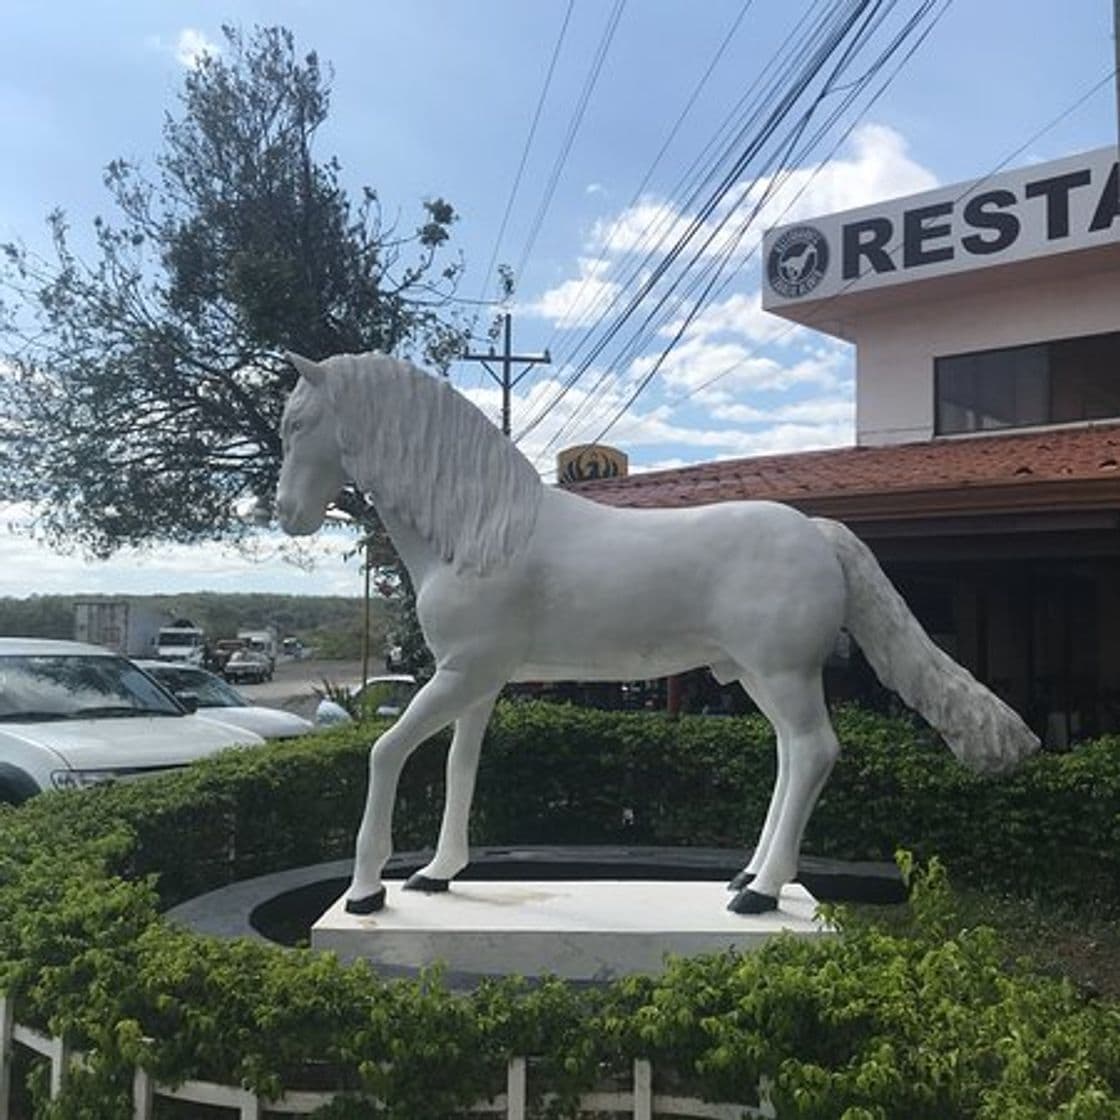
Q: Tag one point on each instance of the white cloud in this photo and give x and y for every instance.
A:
(713, 372)
(659, 465)
(593, 409)
(740, 314)
(654, 430)
(822, 421)
(819, 411)
(27, 566)
(876, 166)
(647, 223)
(734, 358)
(192, 45)
(787, 438)
(576, 299)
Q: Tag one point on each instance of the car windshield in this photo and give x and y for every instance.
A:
(77, 686)
(212, 691)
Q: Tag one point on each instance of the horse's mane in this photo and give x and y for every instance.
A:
(424, 452)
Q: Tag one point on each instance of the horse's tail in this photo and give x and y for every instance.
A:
(980, 729)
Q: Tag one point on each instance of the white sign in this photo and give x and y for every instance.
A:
(1057, 207)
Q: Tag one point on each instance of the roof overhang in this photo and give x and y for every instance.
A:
(991, 482)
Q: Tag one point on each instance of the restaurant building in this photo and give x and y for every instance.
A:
(986, 471)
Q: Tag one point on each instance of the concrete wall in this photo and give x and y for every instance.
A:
(896, 347)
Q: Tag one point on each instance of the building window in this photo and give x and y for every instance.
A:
(1044, 383)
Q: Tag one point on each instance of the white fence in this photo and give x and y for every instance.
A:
(639, 1101)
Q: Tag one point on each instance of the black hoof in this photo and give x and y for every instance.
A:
(751, 902)
(418, 882)
(743, 879)
(368, 905)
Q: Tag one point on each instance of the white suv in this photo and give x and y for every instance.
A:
(72, 715)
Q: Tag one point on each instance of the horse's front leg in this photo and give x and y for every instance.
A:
(452, 851)
(440, 701)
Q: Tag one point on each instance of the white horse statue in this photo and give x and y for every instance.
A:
(753, 590)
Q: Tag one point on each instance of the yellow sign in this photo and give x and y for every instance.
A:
(589, 461)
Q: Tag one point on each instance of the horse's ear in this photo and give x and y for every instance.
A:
(306, 368)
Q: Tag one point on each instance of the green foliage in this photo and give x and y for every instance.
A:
(929, 1020)
(564, 774)
(146, 376)
(222, 614)
(37, 616)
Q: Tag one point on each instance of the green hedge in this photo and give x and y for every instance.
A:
(936, 1024)
(561, 774)
(564, 774)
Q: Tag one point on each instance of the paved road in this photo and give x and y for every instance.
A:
(294, 682)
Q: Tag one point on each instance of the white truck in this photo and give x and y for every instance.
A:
(265, 641)
(181, 640)
(126, 628)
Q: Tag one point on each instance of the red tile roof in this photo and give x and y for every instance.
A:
(1050, 469)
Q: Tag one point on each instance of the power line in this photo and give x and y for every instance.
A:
(528, 144)
(892, 250)
(739, 121)
(830, 37)
(696, 91)
(690, 182)
(573, 128)
(853, 88)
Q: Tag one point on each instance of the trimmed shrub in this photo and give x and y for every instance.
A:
(935, 1024)
(555, 774)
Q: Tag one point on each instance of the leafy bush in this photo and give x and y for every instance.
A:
(562, 774)
(559, 774)
(936, 1023)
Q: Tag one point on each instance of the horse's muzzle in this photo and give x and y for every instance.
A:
(288, 516)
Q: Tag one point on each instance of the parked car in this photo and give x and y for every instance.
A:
(386, 696)
(224, 648)
(248, 666)
(72, 715)
(218, 699)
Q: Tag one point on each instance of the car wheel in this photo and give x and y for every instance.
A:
(9, 795)
(16, 786)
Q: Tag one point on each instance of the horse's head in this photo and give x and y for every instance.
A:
(311, 474)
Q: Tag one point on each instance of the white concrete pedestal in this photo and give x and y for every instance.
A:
(583, 930)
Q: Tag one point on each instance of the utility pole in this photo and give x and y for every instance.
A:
(505, 379)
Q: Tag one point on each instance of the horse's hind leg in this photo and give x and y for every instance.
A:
(794, 704)
(449, 693)
(777, 797)
(462, 766)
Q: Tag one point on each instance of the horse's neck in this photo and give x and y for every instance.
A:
(417, 553)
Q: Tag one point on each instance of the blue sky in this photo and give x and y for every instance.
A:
(436, 98)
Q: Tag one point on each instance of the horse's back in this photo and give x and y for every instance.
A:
(722, 534)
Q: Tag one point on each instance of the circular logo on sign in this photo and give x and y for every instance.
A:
(797, 262)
